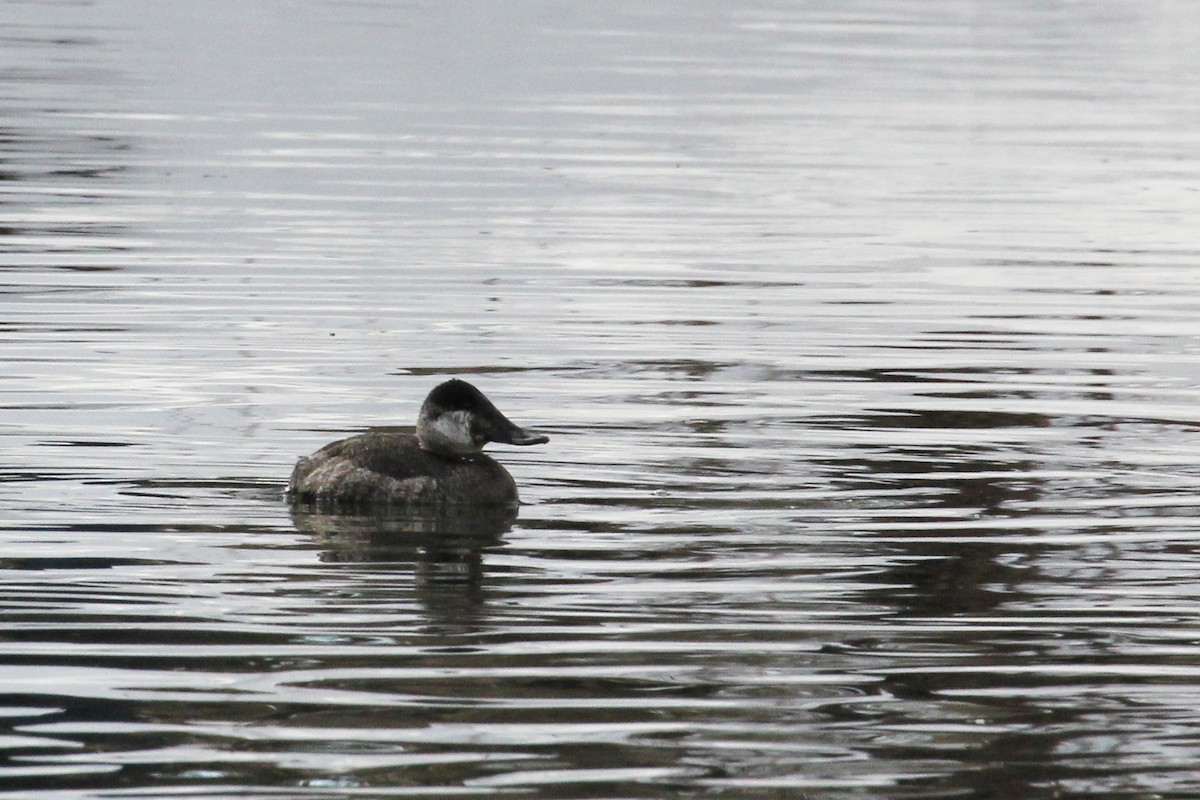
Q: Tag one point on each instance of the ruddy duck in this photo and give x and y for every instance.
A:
(443, 464)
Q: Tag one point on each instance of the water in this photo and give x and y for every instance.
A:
(865, 337)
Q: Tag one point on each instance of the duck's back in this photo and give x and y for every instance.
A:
(390, 468)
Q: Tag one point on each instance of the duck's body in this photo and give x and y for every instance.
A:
(441, 465)
(387, 468)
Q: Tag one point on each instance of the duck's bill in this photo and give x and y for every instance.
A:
(500, 428)
(522, 436)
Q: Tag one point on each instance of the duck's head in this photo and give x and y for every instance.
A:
(457, 420)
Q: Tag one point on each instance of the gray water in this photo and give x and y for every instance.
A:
(864, 332)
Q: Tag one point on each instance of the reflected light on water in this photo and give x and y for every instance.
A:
(865, 339)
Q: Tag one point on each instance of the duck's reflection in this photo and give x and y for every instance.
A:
(444, 550)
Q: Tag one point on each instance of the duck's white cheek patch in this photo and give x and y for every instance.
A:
(454, 429)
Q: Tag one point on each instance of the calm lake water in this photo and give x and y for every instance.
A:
(865, 334)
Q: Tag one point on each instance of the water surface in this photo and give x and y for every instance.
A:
(865, 338)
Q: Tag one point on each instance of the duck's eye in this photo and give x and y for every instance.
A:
(479, 438)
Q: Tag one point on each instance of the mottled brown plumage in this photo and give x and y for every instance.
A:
(379, 467)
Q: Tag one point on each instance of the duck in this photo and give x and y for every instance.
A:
(442, 464)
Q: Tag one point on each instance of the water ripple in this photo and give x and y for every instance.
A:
(865, 339)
